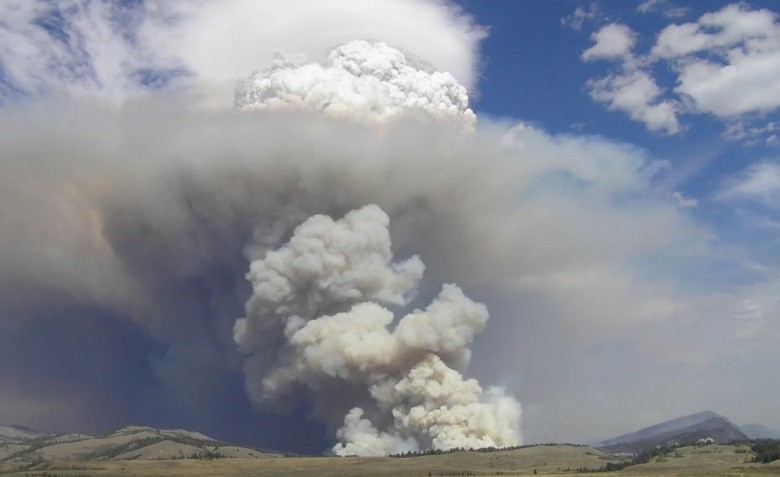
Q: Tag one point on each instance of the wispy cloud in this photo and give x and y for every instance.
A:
(664, 7)
(581, 16)
(760, 181)
(684, 202)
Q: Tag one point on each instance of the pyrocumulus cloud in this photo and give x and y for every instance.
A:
(361, 80)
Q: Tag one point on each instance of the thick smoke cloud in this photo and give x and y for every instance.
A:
(373, 81)
(153, 212)
(130, 215)
(321, 296)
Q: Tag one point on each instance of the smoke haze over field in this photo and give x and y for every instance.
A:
(228, 239)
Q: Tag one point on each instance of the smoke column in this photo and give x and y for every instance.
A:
(323, 296)
(317, 323)
(144, 208)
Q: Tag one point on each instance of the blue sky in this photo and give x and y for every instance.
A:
(533, 71)
(610, 194)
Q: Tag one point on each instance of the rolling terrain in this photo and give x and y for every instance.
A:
(135, 451)
(551, 460)
(128, 443)
(546, 459)
(12, 433)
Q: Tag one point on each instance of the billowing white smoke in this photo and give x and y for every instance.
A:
(320, 298)
(361, 80)
(151, 210)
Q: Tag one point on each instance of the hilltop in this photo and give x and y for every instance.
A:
(16, 433)
(681, 431)
(127, 443)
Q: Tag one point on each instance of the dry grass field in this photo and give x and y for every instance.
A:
(551, 460)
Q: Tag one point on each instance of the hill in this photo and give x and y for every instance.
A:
(14, 433)
(714, 459)
(128, 443)
(759, 431)
(544, 459)
(548, 460)
(682, 431)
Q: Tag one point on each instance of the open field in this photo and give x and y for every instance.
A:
(551, 460)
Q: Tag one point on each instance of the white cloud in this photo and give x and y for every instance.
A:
(665, 7)
(360, 80)
(119, 50)
(637, 94)
(606, 166)
(633, 90)
(727, 63)
(760, 181)
(649, 5)
(611, 41)
(733, 25)
(75, 46)
(748, 83)
(580, 16)
(740, 72)
(682, 201)
(225, 40)
(750, 135)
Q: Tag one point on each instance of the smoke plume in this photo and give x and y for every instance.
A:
(175, 265)
(370, 81)
(321, 296)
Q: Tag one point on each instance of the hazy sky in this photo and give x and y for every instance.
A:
(603, 176)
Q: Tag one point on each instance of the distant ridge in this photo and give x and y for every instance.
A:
(681, 431)
(16, 433)
(25, 446)
(760, 431)
(662, 428)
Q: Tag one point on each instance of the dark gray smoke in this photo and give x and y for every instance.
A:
(145, 216)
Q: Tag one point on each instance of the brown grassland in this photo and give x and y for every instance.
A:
(549, 460)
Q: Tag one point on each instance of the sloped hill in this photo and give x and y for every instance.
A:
(714, 459)
(14, 433)
(661, 429)
(681, 431)
(128, 443)
(759, 431)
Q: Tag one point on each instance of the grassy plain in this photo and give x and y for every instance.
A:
(549, 460)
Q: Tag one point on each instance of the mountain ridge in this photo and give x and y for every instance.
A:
(760, 431)
(126, 443)
(15, 432)
(683, 430)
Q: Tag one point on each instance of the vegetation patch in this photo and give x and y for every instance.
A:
(767, 450)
